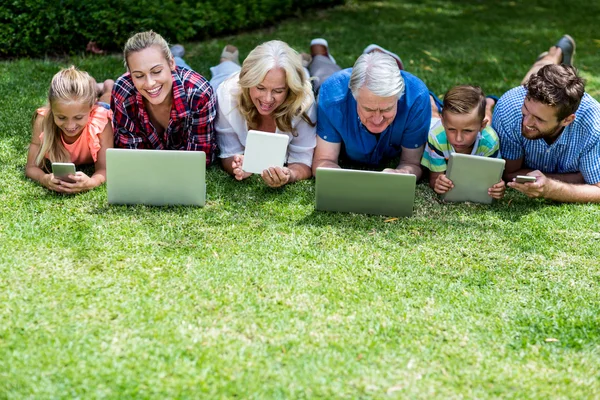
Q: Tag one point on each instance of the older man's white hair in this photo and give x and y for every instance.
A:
(379, 73)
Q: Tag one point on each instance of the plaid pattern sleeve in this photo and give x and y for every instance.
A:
(506, 121)
(123, 102)
(202, 106)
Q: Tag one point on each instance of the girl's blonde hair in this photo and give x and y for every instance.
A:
(69, 86)
(265, 57)
(143, 40)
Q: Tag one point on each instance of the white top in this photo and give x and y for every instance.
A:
(232, 128)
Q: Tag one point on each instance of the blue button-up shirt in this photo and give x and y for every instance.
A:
(338, 121)
(577, 149)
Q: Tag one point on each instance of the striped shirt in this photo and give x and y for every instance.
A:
(438, 149)
(577, 149)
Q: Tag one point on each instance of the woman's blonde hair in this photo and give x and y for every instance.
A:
(143, 40)
(265, 57)
(69, 86)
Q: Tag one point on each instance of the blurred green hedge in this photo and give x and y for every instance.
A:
(38, 27)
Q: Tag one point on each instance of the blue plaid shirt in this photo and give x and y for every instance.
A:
(577, 149)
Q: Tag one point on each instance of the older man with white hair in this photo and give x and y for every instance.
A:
(372, 112)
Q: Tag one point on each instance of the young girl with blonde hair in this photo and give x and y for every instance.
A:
(73, 127)
(271, 93)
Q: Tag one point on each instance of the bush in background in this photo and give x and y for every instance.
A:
(38, 27)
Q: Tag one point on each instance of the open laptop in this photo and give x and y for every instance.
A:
(155, 177)
(472, 176)
(365, 192)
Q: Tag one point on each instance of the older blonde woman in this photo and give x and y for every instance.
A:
(271, 93)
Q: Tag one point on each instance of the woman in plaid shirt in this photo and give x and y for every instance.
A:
(158, 105)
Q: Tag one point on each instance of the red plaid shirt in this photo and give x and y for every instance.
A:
(191, 126)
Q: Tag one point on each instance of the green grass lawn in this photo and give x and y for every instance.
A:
(257, 295)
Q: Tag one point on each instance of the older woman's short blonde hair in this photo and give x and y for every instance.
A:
(265, 57)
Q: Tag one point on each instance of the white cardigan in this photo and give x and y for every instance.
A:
(232, 128)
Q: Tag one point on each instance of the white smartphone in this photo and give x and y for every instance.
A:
(63, 170)
(525, 178)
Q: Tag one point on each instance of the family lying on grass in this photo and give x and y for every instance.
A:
(548, 127)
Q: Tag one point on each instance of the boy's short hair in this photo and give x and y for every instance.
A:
(463, 99)
(557, 86)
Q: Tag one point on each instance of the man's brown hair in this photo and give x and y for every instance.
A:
(463, 99)
(557, 86)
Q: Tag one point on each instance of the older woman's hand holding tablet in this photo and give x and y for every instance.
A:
(270, 94)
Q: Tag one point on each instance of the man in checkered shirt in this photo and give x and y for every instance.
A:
(550, 128)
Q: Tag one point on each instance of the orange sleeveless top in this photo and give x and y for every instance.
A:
(85, 149)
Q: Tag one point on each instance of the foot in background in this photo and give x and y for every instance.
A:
(323, 64)
(178, 52)
(567, 46)
(229, 64)
(373, 47)
(320, 47)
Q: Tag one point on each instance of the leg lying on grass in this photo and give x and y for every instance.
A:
(104, 90)
(561, 53)
(323, 65)
(178, 52)
(229, 64)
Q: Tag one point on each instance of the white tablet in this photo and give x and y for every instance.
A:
(264, 150)
(472, 176)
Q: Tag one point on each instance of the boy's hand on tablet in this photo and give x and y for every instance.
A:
(276, 176)
(497, 191)
(236, 165)
(442, 184)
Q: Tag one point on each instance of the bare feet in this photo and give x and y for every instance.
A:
(92, 47)
(489, 109)
(319, 50)
(105, 90)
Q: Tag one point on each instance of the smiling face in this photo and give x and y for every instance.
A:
(540, 122)
(71, 118)
(462, 129)
(151, 74)
(376, 113)
(270, 93)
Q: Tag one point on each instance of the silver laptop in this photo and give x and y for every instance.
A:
(472, 176)
(365, 192)
(155, 177)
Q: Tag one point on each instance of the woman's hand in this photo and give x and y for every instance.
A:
(276, 176)
(236, 166)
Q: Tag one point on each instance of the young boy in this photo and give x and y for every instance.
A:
(462, 128)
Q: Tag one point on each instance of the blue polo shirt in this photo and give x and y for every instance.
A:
(577, 149)
(338, 121)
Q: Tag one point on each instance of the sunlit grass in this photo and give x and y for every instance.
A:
(257, 295)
